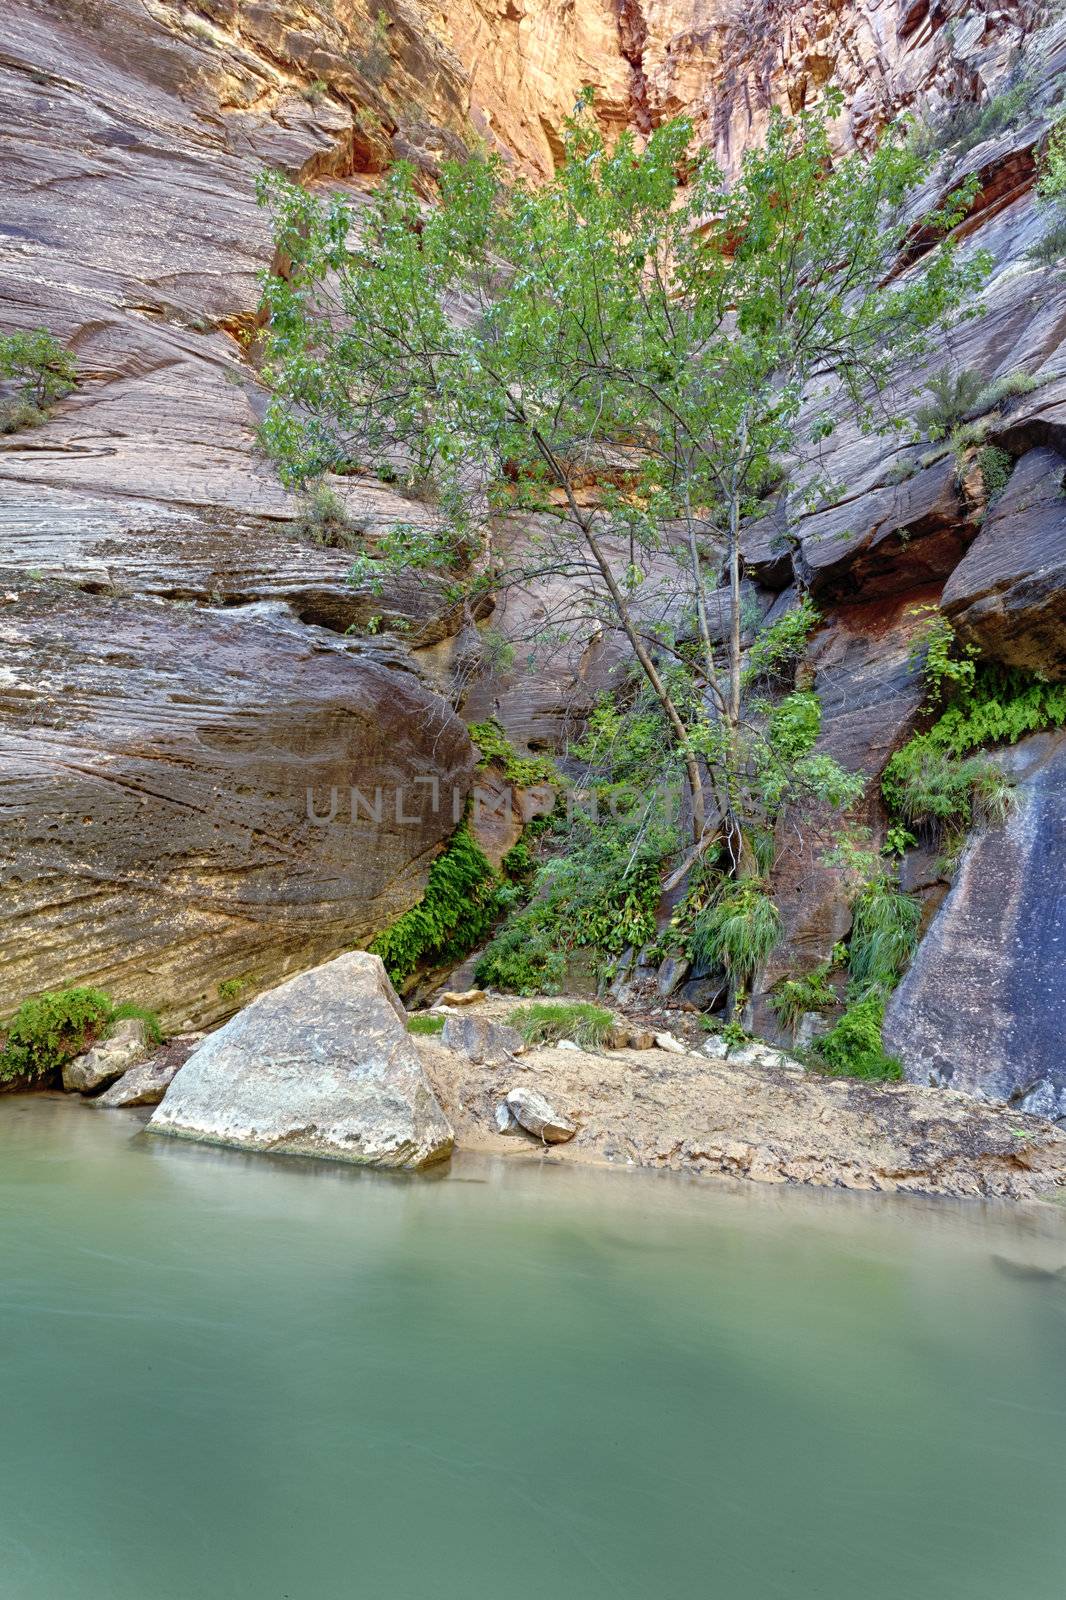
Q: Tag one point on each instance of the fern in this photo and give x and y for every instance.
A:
(457, 910)
(854, 1048)
(53, 1028)
(936, 781)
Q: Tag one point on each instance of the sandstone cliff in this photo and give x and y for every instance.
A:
(172, 659)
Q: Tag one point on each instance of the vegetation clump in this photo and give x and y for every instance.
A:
(455, 913)
(51, 1029)
(995, 467)
(956, 397)
(324, 520)
(737, 931)
(1051, 188)
(775, 650)
(426, 1025)
(498, 751)
(548, 1021)
(884, 932)
(793, 998)
(44, 371)
(938, 781)
(854, 1049)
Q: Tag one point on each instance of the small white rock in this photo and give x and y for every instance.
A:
(666, 1041)
(505, 1119)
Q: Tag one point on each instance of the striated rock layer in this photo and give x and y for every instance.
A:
(983, 1007)
(167, 826)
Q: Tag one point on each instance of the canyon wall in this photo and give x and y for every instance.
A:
(160, 621)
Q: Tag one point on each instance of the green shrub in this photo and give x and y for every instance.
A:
(854, 1048)
(792, 998)
(455, 913)
(548, 1021)
(53, 1028)
(425, 1024)
(1051, 249)
(17, 415)
(972, 123)
(884, 932)
(128, 1009)
(375, 60)
(957, 396)
(929, 787)
(775, 651)
(497, 751)
(1008, 387)
(1051, 185)
(43, 368)
(736, 931)
(324, 520)
(995, 467)
(934, 781)
(524, 958)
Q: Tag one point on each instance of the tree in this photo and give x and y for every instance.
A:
(44, 370)
(637, 322)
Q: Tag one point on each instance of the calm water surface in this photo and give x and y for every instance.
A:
(223, 1376)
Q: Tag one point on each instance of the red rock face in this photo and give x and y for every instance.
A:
(130, 137)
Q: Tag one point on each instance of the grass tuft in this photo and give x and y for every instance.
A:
(546, 1021)
(423, 1023)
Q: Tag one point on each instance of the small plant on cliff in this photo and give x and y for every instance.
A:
(736, 931)
(775, 650)
(995, 467)
(498, 751)
(51, 1029)
(793, 998)
(324, 519)
(44, 371)
(884, 932)
(1051, 185)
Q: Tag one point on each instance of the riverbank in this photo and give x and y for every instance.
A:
(685, 1111)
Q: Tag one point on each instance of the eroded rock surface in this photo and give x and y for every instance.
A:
(1008, 595)
(177, 812)
(321, 1066)
(983, 1007)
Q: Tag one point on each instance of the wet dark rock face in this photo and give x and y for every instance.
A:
(1008, 594)
(983, 1007)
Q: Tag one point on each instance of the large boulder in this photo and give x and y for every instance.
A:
(177, 821)
(321, 1066)
(983, 1007)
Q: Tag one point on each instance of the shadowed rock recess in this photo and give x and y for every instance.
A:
(176, 667)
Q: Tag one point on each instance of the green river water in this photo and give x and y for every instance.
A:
(226, 1376)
